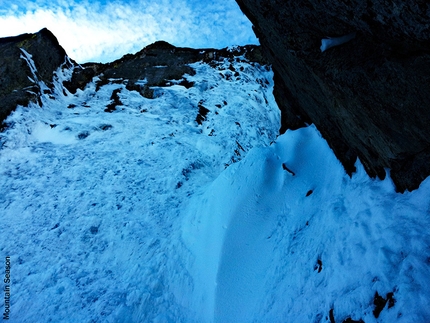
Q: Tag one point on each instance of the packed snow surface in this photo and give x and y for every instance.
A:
(146, 215)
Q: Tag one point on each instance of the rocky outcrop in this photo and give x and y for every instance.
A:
(155, 65)
(368, 97)
(18, 84)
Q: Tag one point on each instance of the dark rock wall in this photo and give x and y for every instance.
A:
(369, 97)
(15, 85)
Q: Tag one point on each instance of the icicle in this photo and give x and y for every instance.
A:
(28, 58)
(30, 62)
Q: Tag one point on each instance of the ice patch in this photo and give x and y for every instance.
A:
(50, 133)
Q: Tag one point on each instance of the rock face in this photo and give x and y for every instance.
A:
(368, 97)
(155, 65)
(15, 72)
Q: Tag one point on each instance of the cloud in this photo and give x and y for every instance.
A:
(106, 30)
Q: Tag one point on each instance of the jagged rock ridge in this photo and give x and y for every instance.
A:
(368, 97)
(154, 65)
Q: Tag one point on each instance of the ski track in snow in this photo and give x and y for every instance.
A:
(142, 215)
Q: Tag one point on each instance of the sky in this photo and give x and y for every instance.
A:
(105, 30)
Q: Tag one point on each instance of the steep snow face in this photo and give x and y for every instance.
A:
(286, 236)
(91, 201)
(187, 208)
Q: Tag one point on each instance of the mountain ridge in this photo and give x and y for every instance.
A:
(19, 87)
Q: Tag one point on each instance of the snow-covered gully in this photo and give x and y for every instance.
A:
(162, 211)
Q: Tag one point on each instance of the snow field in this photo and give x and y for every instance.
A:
(91, 200)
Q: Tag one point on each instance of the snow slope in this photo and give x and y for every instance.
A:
(90, 209)
(144, 215)
(275, 247)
